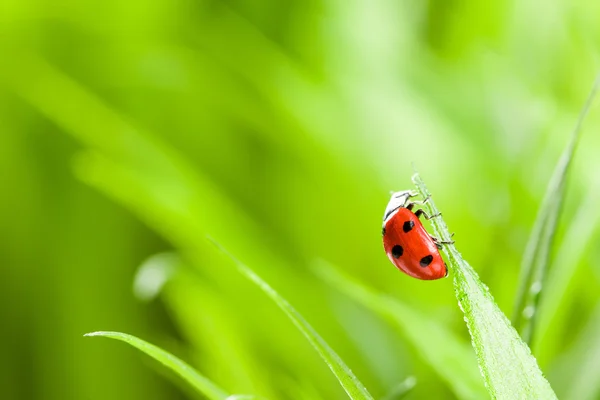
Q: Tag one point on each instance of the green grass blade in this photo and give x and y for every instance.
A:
(350, 383)
(509, 369)
(537, 253)
(438, 346)
(184, 370)
(578, 239)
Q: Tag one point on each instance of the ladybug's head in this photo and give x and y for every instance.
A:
(398, 200)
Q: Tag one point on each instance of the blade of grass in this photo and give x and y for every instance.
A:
(184, 370)
(535, 261)
(438, 346)
(509, 369)
(579, 238)
(350, 383)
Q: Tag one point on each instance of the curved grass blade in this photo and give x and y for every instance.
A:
(509, 369)
(535, 261)
(438, 346)
(350, 383)
(579, 238)
(190, 375)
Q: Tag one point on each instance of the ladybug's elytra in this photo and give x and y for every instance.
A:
(406, 242)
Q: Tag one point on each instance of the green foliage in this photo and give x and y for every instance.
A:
(278, 128)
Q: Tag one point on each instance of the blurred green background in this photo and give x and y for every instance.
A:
(129, 129)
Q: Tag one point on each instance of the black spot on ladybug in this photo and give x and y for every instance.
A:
(408, 225)
(383, 231)
(425, 261)
(397, 251)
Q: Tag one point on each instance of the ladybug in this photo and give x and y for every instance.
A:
(406, 242)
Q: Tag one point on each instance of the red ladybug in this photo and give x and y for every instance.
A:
(406, 242)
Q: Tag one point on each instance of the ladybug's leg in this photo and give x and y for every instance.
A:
(419, 203)
(422, 212)
(439, 243)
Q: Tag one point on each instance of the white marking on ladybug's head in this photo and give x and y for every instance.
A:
(398, 200)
